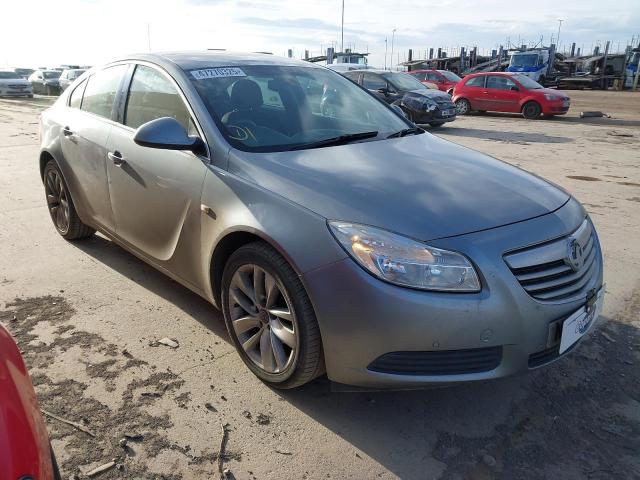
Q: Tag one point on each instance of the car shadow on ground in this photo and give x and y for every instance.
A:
(503, 135)
(109, 253)
(578, 418)
(603, 121)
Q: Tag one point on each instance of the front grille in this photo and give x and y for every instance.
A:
(446, 362)
(545, 271)
(17, 86)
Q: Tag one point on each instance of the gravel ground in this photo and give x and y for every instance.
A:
(88, 317)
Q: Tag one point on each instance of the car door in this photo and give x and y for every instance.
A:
(475, 92)
(503, 94)
(376, 84)
(155, 193)
(85, 133)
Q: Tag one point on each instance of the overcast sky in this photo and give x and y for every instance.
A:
(38, 33)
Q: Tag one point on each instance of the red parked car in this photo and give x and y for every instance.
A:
(443, 79)
(508, 92)
(25, 451)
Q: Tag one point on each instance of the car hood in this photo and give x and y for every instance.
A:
(550, 91)
(420, 186)
(430, 93)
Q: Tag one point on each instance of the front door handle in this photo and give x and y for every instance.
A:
(116, 158)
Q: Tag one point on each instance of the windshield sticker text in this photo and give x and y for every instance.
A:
(217, 73)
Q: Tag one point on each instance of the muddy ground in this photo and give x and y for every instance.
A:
(88, 316)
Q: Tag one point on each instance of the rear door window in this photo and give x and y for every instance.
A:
(152, 95)
(75, 99)
(475, 82)
(102, 89)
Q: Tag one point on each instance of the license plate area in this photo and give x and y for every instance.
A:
(448, 113)
(578, 323)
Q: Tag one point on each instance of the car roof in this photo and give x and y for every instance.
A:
(191, 60)
(481, 74)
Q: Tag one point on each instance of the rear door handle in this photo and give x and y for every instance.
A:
(116, 158)
(67, 132)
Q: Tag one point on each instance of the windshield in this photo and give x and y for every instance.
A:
(526, 60)
(452, 77)
(269, 108)
(404, 81)
(527, 83)
(9, 75)
(51, 74)
(73, 74)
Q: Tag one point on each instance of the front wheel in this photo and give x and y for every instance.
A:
(463, 107)
(531, 110)
(270, 317)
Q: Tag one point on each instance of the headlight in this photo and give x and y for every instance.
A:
(551, 96)
(404, 261)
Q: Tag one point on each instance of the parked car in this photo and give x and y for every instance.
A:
(24, 72)
(13, 85)
(45, 82)
(24, 442)
(443, 79)
(420, 103)
(68, 76)
(508, 92)
(353, 242)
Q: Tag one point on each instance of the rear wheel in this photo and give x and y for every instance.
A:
(531, 110)
(61, 208)
(463, 107)
(270, 317)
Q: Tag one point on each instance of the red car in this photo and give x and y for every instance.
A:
(25, 451)
(508, 92)
(443, 79)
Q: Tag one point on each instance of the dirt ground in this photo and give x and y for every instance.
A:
(88, 315)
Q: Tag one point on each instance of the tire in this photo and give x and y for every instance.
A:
(531, 110)
(60, 204)
(436, 124)
(284, 350)
(463, 107)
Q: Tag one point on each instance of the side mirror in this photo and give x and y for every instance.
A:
(383, 91)
(515, 88)
(166, 133)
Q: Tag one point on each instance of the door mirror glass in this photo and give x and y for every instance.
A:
(166, 133)
(383, 90)
(515, 88)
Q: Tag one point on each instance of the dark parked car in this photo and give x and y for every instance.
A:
(347, 241)
(68, 76)
(420, 103)
(45, 82)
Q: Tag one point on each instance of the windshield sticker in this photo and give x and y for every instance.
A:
(217, 73)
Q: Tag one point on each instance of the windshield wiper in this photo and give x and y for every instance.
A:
(339, 140)
(407, 131)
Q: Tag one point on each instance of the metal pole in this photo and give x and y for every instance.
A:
(393, 36)
(148, 37)
(558, 36)
(342, 29)
(385, 53)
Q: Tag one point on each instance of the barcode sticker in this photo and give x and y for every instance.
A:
(217, 72)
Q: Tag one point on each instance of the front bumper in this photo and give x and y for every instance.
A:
(556, 107)
(362, 318)
(10, 92)
(436, 115)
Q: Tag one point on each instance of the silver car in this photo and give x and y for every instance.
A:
(344, 240)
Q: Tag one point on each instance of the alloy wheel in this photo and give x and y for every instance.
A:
(57, 200)
(262, 318)
(462, 107)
